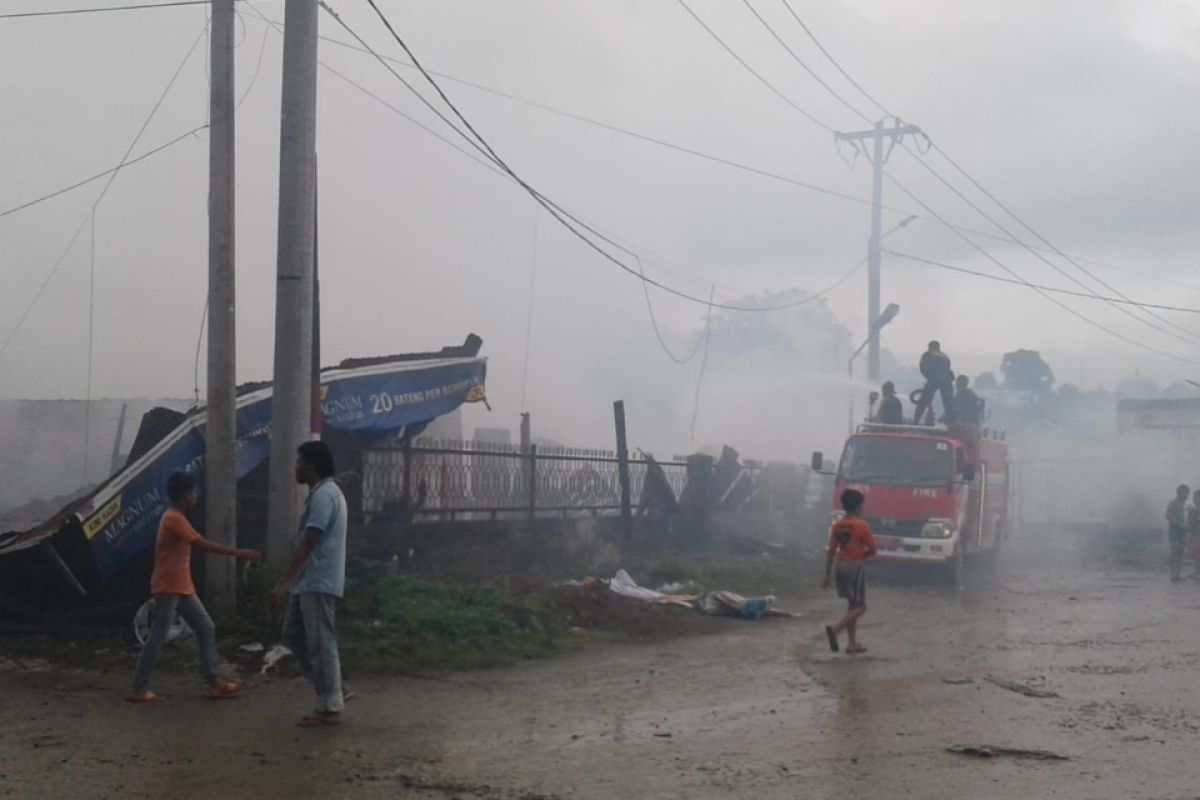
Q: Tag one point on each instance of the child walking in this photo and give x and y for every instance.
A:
(172, 589)
(850, 545)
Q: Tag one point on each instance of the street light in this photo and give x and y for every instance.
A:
(886, 316)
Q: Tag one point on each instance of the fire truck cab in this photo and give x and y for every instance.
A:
(935, 495)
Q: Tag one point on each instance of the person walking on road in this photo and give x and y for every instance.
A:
(172, 591)
(850, 545)
(314, 582)
(939, 378)
(1177, 529)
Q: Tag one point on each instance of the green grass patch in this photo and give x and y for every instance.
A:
(398, 623)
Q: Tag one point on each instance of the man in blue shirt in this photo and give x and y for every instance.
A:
(315, 581)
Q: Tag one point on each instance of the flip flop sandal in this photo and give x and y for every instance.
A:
(833, 642)
(143, 697)
(319, 720)
(224, 691)
(856, 650)
(348, 695)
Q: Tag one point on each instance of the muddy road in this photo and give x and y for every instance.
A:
(759, 710)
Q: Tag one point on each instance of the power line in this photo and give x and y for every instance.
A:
(752, 70)
(765, 173)
(103, 192)
(834, 61)
(99, 175)
(1045, 294)
(1010, 236)
(947, 224)
(1056, 290)
(562, 216)
(700, 377)
(803, 64)
(60, 12)
(942, 179)
(1050, 244)
(662, 342)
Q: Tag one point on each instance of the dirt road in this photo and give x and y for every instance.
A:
(760, 711)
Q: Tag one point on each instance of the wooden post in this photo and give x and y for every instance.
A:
(623, 467)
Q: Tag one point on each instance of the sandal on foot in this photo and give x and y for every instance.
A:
(348, 694)
(319, 720)
(145, 696)
(833, 642)
(224, 690)
(853, 651)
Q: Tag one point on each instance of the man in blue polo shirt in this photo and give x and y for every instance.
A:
(315, 581)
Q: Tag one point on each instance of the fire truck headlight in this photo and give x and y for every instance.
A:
(937, 529)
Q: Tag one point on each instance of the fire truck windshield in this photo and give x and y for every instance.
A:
(902, 461)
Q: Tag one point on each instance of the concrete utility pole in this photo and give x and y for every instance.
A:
(292, 397)
(220, 511)
(878, 158)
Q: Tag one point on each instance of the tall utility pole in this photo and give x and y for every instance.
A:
(292, 393)
(878, 158)
(220, 512)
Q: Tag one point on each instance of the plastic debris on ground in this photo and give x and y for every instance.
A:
(273, 656)
(718, 603)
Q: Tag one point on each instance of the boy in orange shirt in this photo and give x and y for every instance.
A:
(850, 544)
(172, 589)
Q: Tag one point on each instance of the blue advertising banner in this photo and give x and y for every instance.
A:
(120, 519)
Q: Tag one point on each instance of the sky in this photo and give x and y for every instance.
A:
(1079, 115)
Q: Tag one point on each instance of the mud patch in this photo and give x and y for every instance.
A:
(599, 609)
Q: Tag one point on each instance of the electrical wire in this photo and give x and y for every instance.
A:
(100, 197)
(700, 378)
(662, 342)
(1061, 271)
(1056, 290)
(199, 344)
(774, 90)
(946, 223)
(650, 140)
(1009, 236)
(1086, 319)
(1046, 242)
(473, 139)
(99, 175)
(834, 61)
(60, 12)
(804, 64)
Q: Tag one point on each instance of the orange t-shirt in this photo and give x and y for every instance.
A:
(172, 555)
(851, 539)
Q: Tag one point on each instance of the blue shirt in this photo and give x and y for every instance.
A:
(325, 570)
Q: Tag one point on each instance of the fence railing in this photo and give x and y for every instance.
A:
(471, 479)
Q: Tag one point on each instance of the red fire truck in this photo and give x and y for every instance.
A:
(934, 495)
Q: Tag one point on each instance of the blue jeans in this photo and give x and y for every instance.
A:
(309, 631)
(193, 613)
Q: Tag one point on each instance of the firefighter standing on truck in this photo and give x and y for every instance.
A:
(939, 378)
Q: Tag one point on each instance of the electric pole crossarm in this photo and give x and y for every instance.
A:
(896, 133)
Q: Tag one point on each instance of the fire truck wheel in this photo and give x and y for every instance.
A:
(952, 570)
